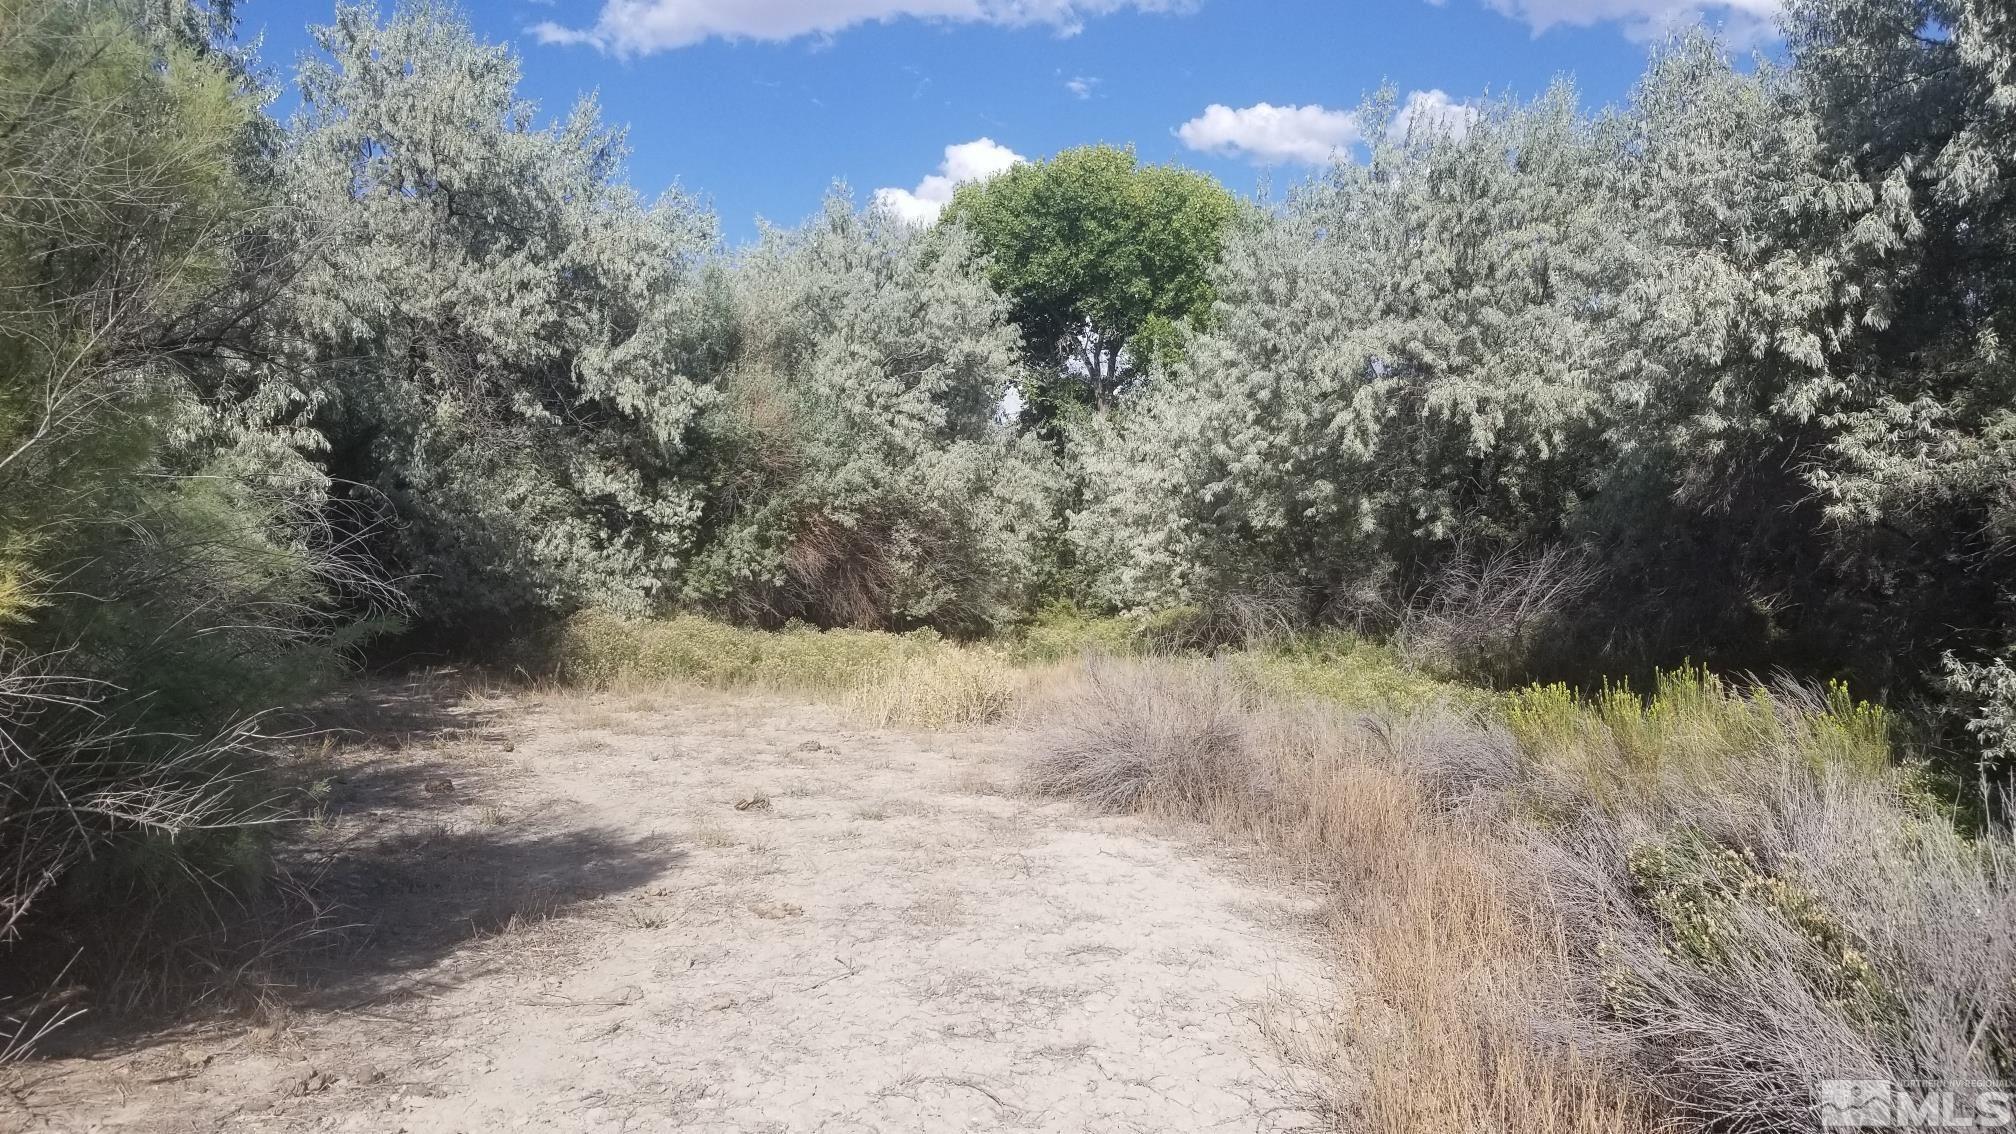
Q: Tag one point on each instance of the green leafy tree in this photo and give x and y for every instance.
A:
(1105, 261)
(165, 564)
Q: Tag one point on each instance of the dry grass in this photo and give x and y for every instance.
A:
(906, 680)
(954, 688)
(1712, 897)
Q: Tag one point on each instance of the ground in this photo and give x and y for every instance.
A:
(707, 912)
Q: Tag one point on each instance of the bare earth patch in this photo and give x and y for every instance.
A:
(740, 914)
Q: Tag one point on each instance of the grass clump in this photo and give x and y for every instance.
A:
(604, 651)
(917, 679)
(1346, 669)
(951, 688)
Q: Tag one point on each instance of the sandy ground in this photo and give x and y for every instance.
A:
(715, 913)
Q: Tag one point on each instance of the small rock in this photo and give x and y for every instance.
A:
(810, 746)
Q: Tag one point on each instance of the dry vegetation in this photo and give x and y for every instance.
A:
(1586, 915)
(1573, 913)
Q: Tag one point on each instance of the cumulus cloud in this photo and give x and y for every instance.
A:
(1081, 87)
(640, 27)
(1268, 133)
(970, 161)
(1742, 22)
(1432, 110)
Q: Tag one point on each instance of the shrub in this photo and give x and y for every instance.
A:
(1494, 617)
(168, 566)
(1129, 737)
(1714, 895)
(889, 679)
(858, 476)
(1063, 632)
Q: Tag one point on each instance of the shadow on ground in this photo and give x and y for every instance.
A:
(389, 876)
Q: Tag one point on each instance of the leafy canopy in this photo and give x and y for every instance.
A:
(1103, 260)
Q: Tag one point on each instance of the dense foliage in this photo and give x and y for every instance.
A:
(166, 566)
(859, 475)
(1106, 261)
(1706, 342)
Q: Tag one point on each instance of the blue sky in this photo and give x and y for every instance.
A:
(759, 105)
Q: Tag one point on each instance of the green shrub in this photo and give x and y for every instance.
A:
(601, 650)
(1697, 723)
(1351, 671)
(1062, 632)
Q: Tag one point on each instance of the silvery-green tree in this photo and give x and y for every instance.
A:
(503, 338)
(1750, 258)
(859, 475)
(1919, 96)
(1402, 358)
(1620, 332)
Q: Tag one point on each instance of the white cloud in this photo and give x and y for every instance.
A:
(640, 27)
(969, 161)
(1268, 133)
(1081, 86)
(1313, 135)
(1432, 110)
(1743, 23)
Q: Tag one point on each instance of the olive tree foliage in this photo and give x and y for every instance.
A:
(1753, 258)
(1398, 356)
(1615, 331)
(857, 473)
(1107, 263)
(1920, 490)
(506, 342)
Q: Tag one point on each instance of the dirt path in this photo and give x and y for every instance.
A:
(738, 914)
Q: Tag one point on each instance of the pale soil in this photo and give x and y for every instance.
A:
(585, 933)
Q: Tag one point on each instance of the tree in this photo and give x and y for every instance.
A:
(857, 475)
(1399, 364)
(165, 570)
(1104, 260)
(502, 333)
(1624, 332)
(1919, 481)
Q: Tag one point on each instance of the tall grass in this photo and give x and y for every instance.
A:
(914, 679)
(1590, 914)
